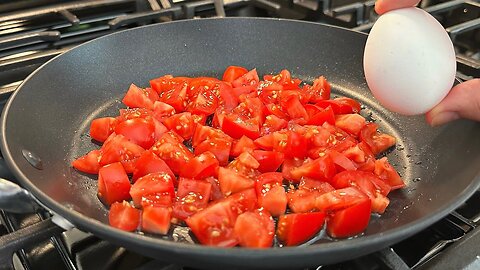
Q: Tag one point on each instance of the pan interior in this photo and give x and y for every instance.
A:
(51, 113)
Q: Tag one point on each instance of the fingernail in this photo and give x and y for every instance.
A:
(443, 118)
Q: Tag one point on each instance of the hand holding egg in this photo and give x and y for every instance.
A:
(409, 61)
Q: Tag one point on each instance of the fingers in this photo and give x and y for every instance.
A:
(382, 6)
(463, 101)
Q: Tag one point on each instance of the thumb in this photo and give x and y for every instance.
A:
(463, 101)
(382, 6)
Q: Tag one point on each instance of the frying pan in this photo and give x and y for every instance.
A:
(49, 116)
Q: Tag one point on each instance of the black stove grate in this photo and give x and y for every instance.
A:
(31, 36)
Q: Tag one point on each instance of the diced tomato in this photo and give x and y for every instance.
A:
(123, 216)
(216, 193)
(101, 128)
(248, 79)
(156, 219)
(232, 181)
(294, 229)
(295, 145)
(137, 97)
(228, 99)
(378, 142)
(342, 162)
(214, 225)
(385, 171)
(118, 149)
(341, 105)
(244, 144)
(162, 110)
(266, 181)
(176, 155)
(295, 109)
(255, 229)
(237, 127)
(244, 201)
(206, 102)
(322, 169)
(288, 166)
(351, 123)
(233, 72)
(324, 115)
(88, 163)
(217, 146)
(302, 199)
(147, 163)
(274, 200)
(113, 183)
(172, 91)
(156, 184)
(201, 166)
(182, 124)
(269, 161)
(192, 196)
(339, 199)
(350, 221)
(273, 123)
(320, 90)
(138, 130)
(203, 133)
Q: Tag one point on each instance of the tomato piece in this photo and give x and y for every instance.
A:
(101, 128)
(175, 154)
(138, 130)
(378, 142)
(244, 144)
(205, 102)
(288, 166)
(182, 124)
(214, 225)
(248, 79)
(192, 196)
(341, 161)
(237, 127)
(295, 145)
(341, 105)
(132, 113)
(173, 92)
(302, 199)
(351, 123)
(322, 169)
(164, 200)
(363, 181)
(156, 219)
(162, 110)
(118, 149)
(203, 133)
(232, 73)
(269, 161)
(217, 146)
(113, 183)
(201, 166)
(88, 163)
(231, 181)
(322, 116)
(294, 229)
(147, 163)
(123, 216)
(350, 221)
(295, 109)
(339, 199)
(228, 99)
(255, 229)
(320, 90)
(273, 123)
(274, 200)
(266, 181)
(216, 192)
(385, 171)
(137, 97)
(156, 184)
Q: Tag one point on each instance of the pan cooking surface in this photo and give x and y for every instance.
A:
(51, 112)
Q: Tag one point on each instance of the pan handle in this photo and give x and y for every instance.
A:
(15, 199)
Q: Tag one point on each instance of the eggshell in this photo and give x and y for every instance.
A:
(409, 61)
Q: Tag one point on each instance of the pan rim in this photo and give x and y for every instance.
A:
(253, 255)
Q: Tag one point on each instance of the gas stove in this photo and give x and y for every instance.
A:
(32, 32)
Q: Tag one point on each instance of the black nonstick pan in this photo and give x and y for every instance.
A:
(49, 116)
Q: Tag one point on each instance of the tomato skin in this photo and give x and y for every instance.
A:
(156, 219)
(113, 183)
(138, 130)
(101, 128)
(255, 229)
(88, 163)
(349, 221)
(123, 216)
(294, 229)
(269, 161)
(153, 184)
(147, 163)
(232, 73)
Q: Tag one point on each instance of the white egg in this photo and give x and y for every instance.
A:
(409, 61)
